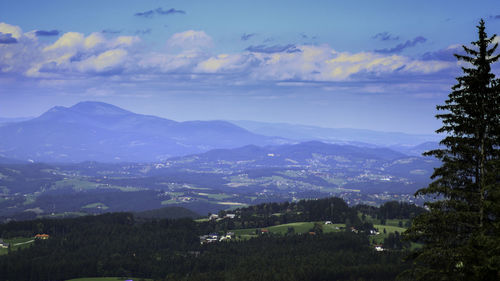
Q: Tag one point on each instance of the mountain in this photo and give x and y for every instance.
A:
(103, 132)
(359, 137)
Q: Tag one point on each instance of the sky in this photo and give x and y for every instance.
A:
(380, 65)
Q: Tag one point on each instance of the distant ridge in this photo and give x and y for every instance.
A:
(97, 131)
(359, 137)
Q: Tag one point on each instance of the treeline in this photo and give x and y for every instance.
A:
(121, 244)
(391, 210)
(116, 245)
(334, 256)
(105, 245)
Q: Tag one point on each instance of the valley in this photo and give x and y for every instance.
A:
(213, 181)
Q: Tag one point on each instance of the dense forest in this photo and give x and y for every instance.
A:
(124, 244)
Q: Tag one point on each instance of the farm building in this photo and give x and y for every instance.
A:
(42, 236)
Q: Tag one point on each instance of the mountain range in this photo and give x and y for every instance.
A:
(103, 132)
(96, 131)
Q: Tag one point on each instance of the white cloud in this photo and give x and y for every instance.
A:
(17, 57)
(94, 40)
(124, 41)
(224, 63)
(106, 61)
(69, 40)
(189, 41)
(14, 31)
(74, 53)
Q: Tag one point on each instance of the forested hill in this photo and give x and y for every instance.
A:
(119, 244)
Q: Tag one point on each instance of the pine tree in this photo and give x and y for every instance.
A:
(461, 232)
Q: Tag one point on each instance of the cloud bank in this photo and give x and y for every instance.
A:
(189, 57)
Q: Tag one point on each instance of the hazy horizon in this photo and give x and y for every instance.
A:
(381, 66)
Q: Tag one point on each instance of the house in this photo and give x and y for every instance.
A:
(42, 236)
(328, 222)
(3, 244)
(378, 248)
(226, 237)
(210, 238)
(264, 231)
(231, 216)
(213, 217)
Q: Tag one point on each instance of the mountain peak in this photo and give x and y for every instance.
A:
(98, 108)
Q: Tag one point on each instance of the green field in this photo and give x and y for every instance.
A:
(304, 227)
(379, 239)
(299, 227)
(17, 242)
(216, 196)
(109, 279)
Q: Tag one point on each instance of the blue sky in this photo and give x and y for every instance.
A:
(380, 65)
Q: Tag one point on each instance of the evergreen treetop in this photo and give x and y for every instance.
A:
(461, 233)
